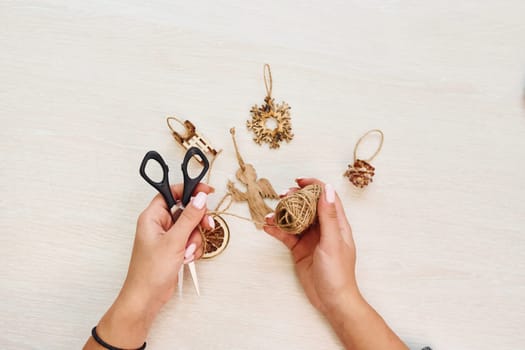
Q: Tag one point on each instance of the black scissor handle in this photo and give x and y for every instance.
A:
(191, 183)
(164, 185)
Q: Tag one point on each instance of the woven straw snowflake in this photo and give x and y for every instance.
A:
(270, 110)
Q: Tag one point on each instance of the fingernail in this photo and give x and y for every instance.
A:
(329, 193)
(189, 259)
(269, 216)
(190, 250)
(285, 192)
(199, 200)
(211, 222)
(299, 178)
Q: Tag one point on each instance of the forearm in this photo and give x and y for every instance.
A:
(360, 327)
(125, 325)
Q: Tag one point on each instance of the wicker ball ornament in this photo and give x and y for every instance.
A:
(298, 211)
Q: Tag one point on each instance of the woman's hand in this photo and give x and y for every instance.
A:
(159, 251)
(161, 248)
(324, 257)
(324, 254)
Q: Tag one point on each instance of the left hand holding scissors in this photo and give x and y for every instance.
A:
(177, 207)
(158, 253)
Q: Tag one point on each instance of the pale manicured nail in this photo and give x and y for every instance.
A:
(199, 200)
(269, 216)
(189, 259)
(211, 222)
(329, 193)
(190, 250)
(299, 178)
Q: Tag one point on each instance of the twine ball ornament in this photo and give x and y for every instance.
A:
(361, 172)
(298, 211)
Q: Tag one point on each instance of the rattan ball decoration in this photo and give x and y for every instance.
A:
(298, 211)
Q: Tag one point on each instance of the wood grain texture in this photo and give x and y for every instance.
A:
(85, 88)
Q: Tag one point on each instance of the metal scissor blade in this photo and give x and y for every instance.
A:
(193, 273)
(181, 279)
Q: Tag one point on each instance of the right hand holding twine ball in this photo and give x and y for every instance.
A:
(310, 220)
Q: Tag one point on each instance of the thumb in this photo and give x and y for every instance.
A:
(331, 236)
(188, 220)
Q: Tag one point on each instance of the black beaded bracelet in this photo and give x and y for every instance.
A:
(106, 345)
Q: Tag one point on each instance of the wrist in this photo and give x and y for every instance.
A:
(127, 322)
(359, 326)
(349, 306)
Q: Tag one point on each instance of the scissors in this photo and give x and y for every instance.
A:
(176, 207)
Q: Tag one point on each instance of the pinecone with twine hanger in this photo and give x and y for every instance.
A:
(361, 172)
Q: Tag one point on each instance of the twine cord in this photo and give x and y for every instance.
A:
(293, 214)
(363, 137)
(218, 211)
(239, 158)
(267, 73)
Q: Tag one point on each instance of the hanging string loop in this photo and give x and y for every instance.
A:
(361, 140)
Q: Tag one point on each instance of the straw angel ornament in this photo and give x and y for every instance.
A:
(256, 189)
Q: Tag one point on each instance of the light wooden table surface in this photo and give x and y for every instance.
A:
(84, 91)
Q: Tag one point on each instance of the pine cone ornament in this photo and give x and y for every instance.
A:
(360, 173)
